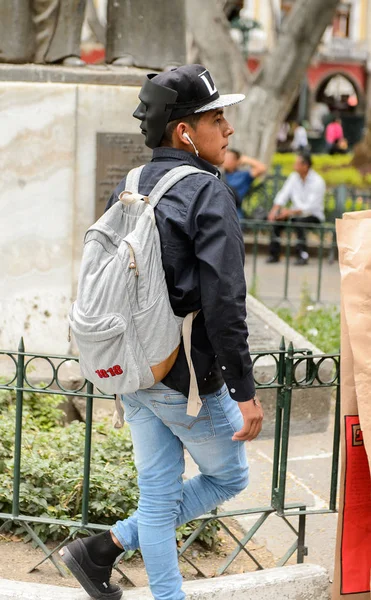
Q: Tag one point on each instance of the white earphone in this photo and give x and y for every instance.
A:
(186, 136)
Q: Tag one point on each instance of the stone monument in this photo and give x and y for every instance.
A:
(67, 138)
(146, 33)
(41, 31)
(141, 33)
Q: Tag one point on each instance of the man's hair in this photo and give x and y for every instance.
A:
(191, 120)
(305, 157)
(235, 152)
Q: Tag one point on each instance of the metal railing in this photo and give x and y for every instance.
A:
(294, 369)
(259, 234)
(339, 199)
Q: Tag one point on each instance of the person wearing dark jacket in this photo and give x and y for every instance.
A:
(182, 118)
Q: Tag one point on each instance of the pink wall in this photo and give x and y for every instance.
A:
(319, 72)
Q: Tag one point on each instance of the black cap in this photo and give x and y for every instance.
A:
(176, 94)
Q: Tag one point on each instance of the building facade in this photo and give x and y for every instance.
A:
(339, 75)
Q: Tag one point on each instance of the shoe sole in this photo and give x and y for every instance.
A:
(83, 580)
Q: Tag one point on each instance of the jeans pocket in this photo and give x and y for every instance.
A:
(130, 409)
(171, 408)
(221, 394)
(230, 410)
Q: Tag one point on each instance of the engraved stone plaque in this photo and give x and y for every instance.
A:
(117, 153)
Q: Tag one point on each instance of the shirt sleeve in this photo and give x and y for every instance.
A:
(284, 194)
(219, 248)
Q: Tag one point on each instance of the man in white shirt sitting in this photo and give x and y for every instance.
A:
(306, 190)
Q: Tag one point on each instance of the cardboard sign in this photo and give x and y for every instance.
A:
(353, 547)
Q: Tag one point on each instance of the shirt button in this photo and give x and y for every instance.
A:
(224, 368)
(233, 390)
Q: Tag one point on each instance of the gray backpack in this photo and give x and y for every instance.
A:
(126, 331)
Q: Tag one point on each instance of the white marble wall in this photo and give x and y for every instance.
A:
(47, 199)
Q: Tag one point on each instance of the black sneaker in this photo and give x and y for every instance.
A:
(92, 577)
(272, 259)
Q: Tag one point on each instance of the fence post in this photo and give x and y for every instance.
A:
(18, 429)
(335, 451)
(310, 367)
(278, 424)
(320, 265)
(287, 395)
(276, 178)
(87, 453)
(287, 262)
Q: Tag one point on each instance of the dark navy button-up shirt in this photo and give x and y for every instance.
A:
(203, 258)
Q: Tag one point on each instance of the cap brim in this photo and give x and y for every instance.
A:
(222, 101)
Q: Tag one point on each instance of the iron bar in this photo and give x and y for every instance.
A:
(87, 454)
(18, 430)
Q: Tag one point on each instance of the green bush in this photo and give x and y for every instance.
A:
(52, 468)
(335, 169)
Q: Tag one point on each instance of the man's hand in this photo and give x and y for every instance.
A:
(274, 212)
(253, 414)
(284, 214)
(272, 215)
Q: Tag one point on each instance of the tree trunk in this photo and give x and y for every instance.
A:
(362, 151)
(212, 45)
(274, 90)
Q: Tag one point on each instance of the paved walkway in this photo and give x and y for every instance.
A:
(271, 281)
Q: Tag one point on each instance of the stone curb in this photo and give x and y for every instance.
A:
(297, 582)
(277, 324)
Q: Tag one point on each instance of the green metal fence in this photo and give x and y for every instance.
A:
(340, 199)
(294, 369)
(259, 233)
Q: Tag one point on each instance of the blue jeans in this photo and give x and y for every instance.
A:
(160, 430)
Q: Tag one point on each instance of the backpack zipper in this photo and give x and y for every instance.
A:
(132, 263)
(133, 266)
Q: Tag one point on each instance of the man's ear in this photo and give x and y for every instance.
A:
(179, 132)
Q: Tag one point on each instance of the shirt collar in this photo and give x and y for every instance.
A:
(309, 176)
(183, 156)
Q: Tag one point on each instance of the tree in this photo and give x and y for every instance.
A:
(272, 93)
(362, 151)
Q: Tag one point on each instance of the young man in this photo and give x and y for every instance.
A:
(306, 190)
(181, 114)
(238, 178)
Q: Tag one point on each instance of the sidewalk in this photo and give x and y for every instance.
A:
(271, 281)
(307, 582)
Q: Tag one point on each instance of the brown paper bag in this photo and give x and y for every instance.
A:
(353, 547)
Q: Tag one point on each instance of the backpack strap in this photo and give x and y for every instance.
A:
(132, 180)
(166, 182)
(194, 404)
(171, 178)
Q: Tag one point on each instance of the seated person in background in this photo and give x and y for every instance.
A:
(238, 178)
(334, 135)
(306, 190)
(300, 140)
